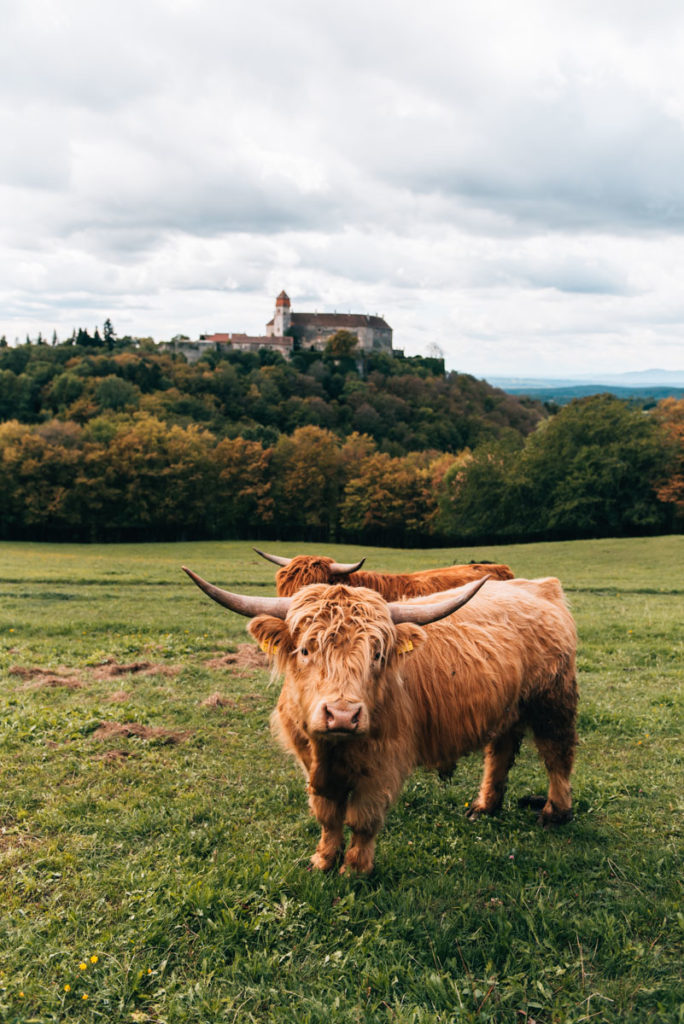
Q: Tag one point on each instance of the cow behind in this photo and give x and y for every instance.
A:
(370, 693)
(303, 570)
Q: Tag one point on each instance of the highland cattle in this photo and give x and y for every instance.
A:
(372, 689)
(302, 570)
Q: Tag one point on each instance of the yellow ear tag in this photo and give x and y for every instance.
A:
(405, 647)
(267, 647)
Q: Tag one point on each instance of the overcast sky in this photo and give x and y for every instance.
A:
(502, 180)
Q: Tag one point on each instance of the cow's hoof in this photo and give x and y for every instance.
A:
(555, 817)
(477, 809)
(352, 869)
(320, 862)
(358, 861)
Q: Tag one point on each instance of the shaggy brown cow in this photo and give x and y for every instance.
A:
(369, 694)
(302, 570)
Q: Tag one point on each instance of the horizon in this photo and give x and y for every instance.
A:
(644, 377)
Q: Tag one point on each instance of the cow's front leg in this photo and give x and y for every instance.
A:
(361, 852)
(331, 818)
(365, 816)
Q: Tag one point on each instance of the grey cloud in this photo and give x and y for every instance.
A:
(558, 166)
(587, 276)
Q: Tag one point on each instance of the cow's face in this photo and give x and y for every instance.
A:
(339, 650)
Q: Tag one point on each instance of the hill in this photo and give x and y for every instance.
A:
(404, 404)
(647, 387)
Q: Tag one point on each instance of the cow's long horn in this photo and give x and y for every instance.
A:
(276, 559)
(423, 614)
(342, 568)
(243, 604)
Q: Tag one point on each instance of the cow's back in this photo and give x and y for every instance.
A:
(513, 639)
(394, 585)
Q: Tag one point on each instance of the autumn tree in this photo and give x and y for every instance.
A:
(305, 472)
(38, 469)
(341, 345)
(159, 479)
(388, 500)
(669, 414)
(242, 501)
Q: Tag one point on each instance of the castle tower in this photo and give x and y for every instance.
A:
(281, 318)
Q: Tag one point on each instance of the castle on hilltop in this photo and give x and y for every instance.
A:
(312, 330)
(287, 331)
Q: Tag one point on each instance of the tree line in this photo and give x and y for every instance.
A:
(600, 467)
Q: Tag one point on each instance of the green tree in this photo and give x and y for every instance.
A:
(108, 334)
(113, 392)
(592, 470)
(63, 390)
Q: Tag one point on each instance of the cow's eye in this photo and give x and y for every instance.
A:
(304, 652)
(376, 656)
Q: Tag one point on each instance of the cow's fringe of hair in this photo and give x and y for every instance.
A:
(337, 619)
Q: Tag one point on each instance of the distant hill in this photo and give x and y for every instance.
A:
(646, 386)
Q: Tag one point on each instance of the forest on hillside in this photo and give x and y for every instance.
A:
(403, 404)
(103, 439)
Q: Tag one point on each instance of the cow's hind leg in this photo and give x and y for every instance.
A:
(499, 756)
(553, 727)
(558, 755)
(330, 845)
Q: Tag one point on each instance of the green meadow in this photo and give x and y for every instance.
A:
(154, 840)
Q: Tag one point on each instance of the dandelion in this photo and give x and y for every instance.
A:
(82, 966)
(84, 996)
(21, 995)
(67, 988)
(93, 959)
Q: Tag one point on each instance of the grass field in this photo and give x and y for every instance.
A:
(153, 847)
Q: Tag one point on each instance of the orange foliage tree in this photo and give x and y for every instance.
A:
(670, 414)
(305, 480)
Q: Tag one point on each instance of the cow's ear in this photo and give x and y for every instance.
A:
(272, 635)
(409, 637)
